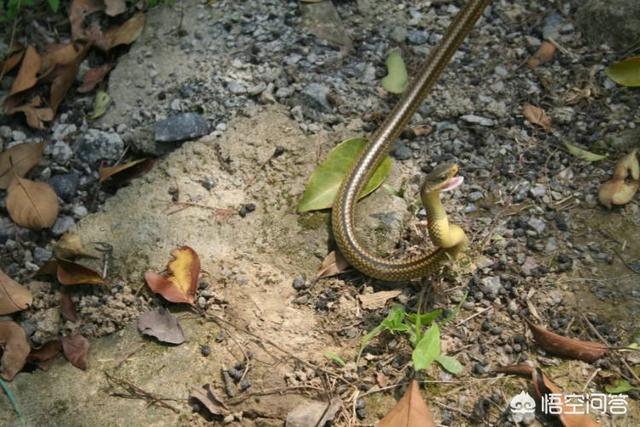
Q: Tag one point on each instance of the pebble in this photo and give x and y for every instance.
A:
(61, 153)
(41, 255)
(315, 95)
(398, 34)
(62, 225)
(65, 185)
(237, 88)
(181, 127)
(96, 145)
(417, 37)
(477, 120)
(18, 135)
(401, 151)
(537, 225)
(537, 191)
(491, 286)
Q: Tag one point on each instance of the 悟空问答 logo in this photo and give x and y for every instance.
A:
(522, 403)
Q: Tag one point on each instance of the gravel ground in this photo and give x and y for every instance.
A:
(529, 206)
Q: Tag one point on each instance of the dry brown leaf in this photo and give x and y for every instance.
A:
(28, 74)
(161, 324)
(13, 296)
(537, 116)
(18, 160)
(181, 284)
(76, 349)
(78, 12)
(122, 174)
(377, 300)
(48, 351)
(544, 386)
(624, 184)
(93, 77)
(15, 347)
(334, 263)
(10, 63)
(410, 411)
(586, 351)
(208, 397)
(32, 204)
(115, 7)
(125, 34)
(70, 246)
(69, 273)
(67, 307)
(63, 76)
(544, 54)
(57, 54)
(35, 116)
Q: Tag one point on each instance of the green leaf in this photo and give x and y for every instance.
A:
(334, 358)
(427, 349)
(625, 72)
(393, 323)
(325, 181)
(620, 386)
(584, 154)
(449, 364)
(100, 105)
(54, 4)
(397, 78)
(425, 318)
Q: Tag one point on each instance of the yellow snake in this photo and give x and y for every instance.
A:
(449, 238)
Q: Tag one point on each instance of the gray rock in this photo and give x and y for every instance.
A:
(236, 88)
(491, 286)
(314, 95)
(61, 153)
(65, 185)
(398, 34)
(477, 120)
(41, 255)
(474, 196)
(537, 225)
(62, 225)
(5, 132)
(616, 22)
(96, 145)
(7, 229)
(181, 127)
(401, 151)
(551, 28)
(417, 37)
(538, 190)
(62, 130)
(18, 135)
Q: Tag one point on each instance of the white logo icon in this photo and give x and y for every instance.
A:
(522, 404)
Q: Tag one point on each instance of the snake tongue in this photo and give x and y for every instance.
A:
(453, 183)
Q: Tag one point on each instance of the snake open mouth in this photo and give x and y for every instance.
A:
(453, 183)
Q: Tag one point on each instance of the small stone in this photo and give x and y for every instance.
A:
(205, 350)
(257, 89)
(62, 225)
(401, 151)
(96, 145)
(65, 185)
(18, 135)
(246, 209)
(62, 130)
(5, 132)
(299, 283)
(181, 127)
(417, 37)
(315, 96)
(398, 34)
(236, 88)
(491, 286)
(477, 120)
(537, 191)
(41, 255)
(61, 153)
(79, 211)
(537, 225)
(474, 196)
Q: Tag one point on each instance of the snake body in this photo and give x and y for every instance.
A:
(375, 152)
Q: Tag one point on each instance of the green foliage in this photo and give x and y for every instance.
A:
(334, 358)
(423, 333)
(625, 72)
(620, 386)
(325, 180)
(10, 9)
(397, 78)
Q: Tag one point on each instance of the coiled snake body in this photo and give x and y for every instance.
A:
(449, 239)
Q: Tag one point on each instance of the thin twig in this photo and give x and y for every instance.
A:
(484, 310)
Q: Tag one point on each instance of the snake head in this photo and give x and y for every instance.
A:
(441, 178)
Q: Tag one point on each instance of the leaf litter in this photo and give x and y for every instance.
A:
(161, 324)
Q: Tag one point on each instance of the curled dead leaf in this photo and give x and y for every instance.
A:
(115, 7)
(377, 300)
(537, 116)
(32, 204)
(11, 62)
(93, 77)
(48, 351)
(544, 54)
(67, 307)
(410, 411)
(58, 54)
(333, 264)
(71, 273)
(28, 73)
(181, 284)
(78, 12)
(15, 349)
(124, 34)
(63, 76)
(624, 184)
(18, 160)
(208, 397)
(586, 351)
(70, 246)
(13, 296)
(162, 325)
(122, 174)
(76, 349)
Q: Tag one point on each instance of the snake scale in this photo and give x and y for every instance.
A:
(378, 148)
